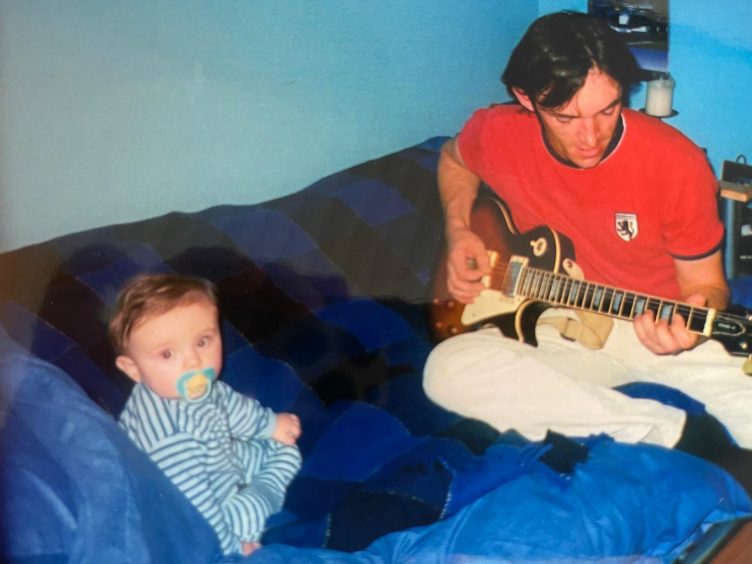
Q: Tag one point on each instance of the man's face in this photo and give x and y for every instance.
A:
(580, 130)
(162, 348)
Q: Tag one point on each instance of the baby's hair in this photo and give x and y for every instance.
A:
(147, 295)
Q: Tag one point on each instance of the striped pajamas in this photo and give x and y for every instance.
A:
(219, 453)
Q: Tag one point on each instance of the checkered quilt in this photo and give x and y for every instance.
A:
(323, 297)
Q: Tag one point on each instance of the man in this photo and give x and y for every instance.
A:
(638, 201)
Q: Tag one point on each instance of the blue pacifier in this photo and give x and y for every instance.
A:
(195, 385)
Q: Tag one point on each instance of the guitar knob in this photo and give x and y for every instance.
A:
(453, 330)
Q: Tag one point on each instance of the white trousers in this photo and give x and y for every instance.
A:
(562, 386)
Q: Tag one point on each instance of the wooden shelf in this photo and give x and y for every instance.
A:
(736, 192)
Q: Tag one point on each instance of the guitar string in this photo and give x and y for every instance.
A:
(590, 294)
(570, 292)
(552, 287)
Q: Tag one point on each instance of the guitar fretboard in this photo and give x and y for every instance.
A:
(561, 290)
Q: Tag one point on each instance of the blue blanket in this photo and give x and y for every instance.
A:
(74, 487)
(324, 295)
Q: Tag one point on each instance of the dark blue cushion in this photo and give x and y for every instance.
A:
(73, 486)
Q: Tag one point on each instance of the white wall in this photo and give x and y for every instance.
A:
(113, 111)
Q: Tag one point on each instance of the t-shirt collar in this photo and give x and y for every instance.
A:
(615, 139)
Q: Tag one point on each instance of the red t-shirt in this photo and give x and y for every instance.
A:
(652, 199)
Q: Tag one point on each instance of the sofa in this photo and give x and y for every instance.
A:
(324, 296)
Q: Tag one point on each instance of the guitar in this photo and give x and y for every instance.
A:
(528, 275)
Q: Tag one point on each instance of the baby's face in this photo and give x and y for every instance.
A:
(164, 347)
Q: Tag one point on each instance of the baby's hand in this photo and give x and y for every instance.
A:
(287, 430)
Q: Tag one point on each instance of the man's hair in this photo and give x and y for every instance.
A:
(553, 58)
(147, 295)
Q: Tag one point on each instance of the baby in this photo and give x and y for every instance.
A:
(232, 457)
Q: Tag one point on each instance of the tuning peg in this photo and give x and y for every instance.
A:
(747, 366)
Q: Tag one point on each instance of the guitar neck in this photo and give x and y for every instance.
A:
(562, 290)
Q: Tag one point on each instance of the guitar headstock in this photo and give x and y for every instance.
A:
(733, 328)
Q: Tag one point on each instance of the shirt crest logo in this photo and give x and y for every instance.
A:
(626, 225)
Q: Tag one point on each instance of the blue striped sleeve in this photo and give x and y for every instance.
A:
(247, 417)
(147, 418)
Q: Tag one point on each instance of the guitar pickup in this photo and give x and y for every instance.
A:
(493, 259)
(512, 275)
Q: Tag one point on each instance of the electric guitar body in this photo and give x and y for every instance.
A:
(515, 316)
(530, 272)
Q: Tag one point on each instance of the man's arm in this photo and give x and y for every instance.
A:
(467, 260)
(702, 283)
(704, 276)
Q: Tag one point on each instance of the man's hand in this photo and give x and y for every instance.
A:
(467, 263)
(664, 337)
(288, 428)
(467, 260)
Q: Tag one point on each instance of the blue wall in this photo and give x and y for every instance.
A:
(117, 111)
(710, 56)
